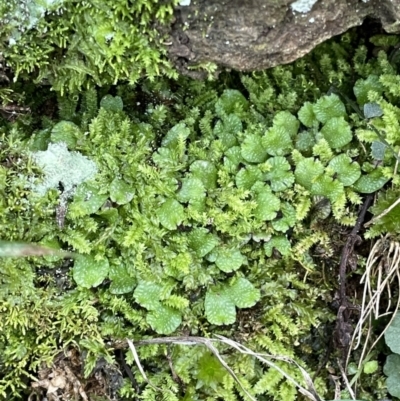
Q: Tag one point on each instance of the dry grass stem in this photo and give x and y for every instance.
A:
(310, 393)
(382, 268)
(385, 212)
(346, 380)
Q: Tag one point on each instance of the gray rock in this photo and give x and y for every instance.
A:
(257, 34)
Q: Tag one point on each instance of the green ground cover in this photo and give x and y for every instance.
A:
(190, 209)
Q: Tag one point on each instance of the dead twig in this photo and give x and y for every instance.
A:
(175, 376)
(13, 108)
(343, 328)
(11, 111)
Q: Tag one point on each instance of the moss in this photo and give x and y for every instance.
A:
(202, 219)
(73, 44)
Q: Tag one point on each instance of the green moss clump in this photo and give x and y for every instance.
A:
(202, 218)
(73, 44)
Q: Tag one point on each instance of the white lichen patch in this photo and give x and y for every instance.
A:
(62, 166)
(303, 6)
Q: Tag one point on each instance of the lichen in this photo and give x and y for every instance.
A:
(61, 166)
(303, 6)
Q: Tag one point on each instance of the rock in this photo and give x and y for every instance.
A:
(258, 34)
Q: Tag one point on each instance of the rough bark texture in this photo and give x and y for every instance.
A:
(249, 35)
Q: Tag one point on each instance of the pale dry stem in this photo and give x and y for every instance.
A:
(383, 267)
(309, 392)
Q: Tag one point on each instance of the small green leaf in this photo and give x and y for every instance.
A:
(287, 220)
(253, 150)
(370, 367)
(280, 174)
(121, 192)
(372, 110)
(363, 86)
(229, 260)
(112, 103)
(392, 335)
(147, 294)
(210, 372)
(86, 200)
(247, 177)
(369, 183)
(89, 272)
(390, 222)
(384, 40)
(305, 141)
(67, 132)
(40, 140)
(267, 204)
(261, 236)
(348, 171)
(328, 187)
(322, 150)
(202, 241)
(280, 243)
(197, 205)
(231, 102)
(163, 319)
(121, 281)
(307, 115)
(337, 132)
(171, 214)
(233, 157)
(352, 368)
(192, 190)
(206, 172)
(227, 129)
(232, 125)
(328, 107)
(243, 294)
(219, 307)
(110, 215)
(393, 385)
(392, 364)
(307, 170)
(175, 134)
(321, 208)
(378, 150)
(277, 141)
(287, 121)
(166, 158)
(391, 369)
